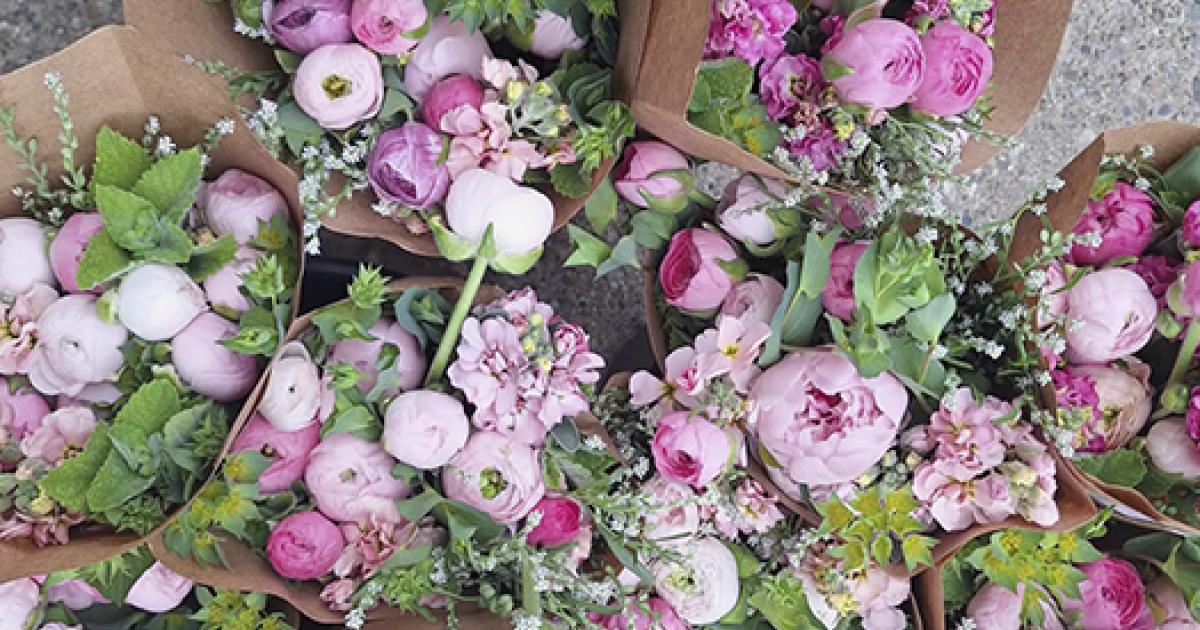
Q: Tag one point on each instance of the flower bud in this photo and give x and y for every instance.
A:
(23, 256)
(292, 397)
(156, 301)
(66, 251)
(207, 366)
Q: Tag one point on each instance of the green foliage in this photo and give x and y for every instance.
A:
(876, 528)
(1177, 557)
(492, 15)
(780, 598)
(569, 180)
(231, 610)
(115, 576)
(1120, 467)
(68, 484)
(120, 161)
(208, 258)
(722, 104)
(424, 313)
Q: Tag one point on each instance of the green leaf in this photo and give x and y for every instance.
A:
(748, 565)
(815, 273)
(357, 420)
(652, 229)
(68, 484)
(916, 551)
(516, 264)
(119, 160)
(589, 250)
(601, 208)
(102, 262)
(209, 258)
(623, 255)
(415, 508)
(566, 435)
(833, 69)
(724, 79)
(300, 129)
(569, 181)
(881, 550)
(407, 557)
(129, 219)
(464, 521)
(781, 600)
(1119, 467)
(115, 484)
(927, 322)
(624, 556)
(147, 411)
(454, 247)
(171, 183)
(794, 319)
(395, 102)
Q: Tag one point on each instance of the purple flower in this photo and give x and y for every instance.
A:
(1159, 272)
(934, 10)
(1124, 221)
(820, 145)
(750, 29)
(1078, 391)
(303, 26)
(788, 83)
(1189, 232)
(404, 166)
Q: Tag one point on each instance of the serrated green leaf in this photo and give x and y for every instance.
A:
(209, 258)
(103, 261)
(881, 550)
(569, 181)
(119, 160)
(601, 208)
(916, 551)
(1120, 467)
(146, 412)
(170, 184)
(589, 250)
(68, 483)
(115, 484)
(415, 508)
(129, 219)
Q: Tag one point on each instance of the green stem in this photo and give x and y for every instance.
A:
(1187, 350)
(454, 327)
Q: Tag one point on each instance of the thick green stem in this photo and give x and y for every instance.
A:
(1187, 351)
(454, 327)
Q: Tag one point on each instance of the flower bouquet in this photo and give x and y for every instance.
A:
(851, 95)
(1117, 311)
(397, 105)
(138, 304)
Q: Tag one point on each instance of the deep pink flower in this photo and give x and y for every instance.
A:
(1189, 232)
(934, 10)
(750, 29)
(288, 451)
(19, 327)
(1078, 391)
(833, 26)
(958, 67)
(561, 521)
(1193, 415)
(304, 546)
(788, 82)
(885, 60)
(654, 614)
(1124, 220)
(1113, 597)
(381, 25)
(1159, 272)
(690, 450)
(690, 274)
(838, 295)
(820, 145)
(448, 95)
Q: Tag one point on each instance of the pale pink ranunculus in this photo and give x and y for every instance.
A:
(448, 95)
(23, 256)
(21, 412)
(1166, 596)
(838, 295)
(156, 301)
(996, 607)
(885, 62)
(958, 67)
(448, 48)
(68, 246)
(1125, 400)
(821, 421)
(294, 391)
(690, 274)
(703, 587)
(351, 480)
(1124, 220)
(235, 202)
(63, 432)
(75, 347)
(339, 85)
(223, 288)
(287, 450)
(303, 26)
(553, 35)
(690, 450)
(1111, 315)
(75, 594)
(521, 217)
(879, 596)
(742, 210)
(496, 475)
(674, 510)
(384, 25)
(209, 368)
(362, 355)
(1113, 596)
(1172, 449)
(158, 590)
(659, 616)
(644, 172)
(304, 546)
(561, 521)
(19, 327)
(21, 597)
(424, 428)
(754, 299)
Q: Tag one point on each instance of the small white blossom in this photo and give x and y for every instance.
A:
(165, 146)
(226, 126)
(1142, 184)
(927, 235)
(152, 125)
(1039, 209)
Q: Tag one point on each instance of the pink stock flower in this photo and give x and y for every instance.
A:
(757, 509)
(66, 250)
(690, 450)
(1078, 392)
(838, 295)
(369, 545)
(209, 368)
(956, 505)
(1193, 414)
(1189, 231)
(336, 594)
(237, 201)
(1172, 449)
(653, 614)
(448, 48)
(819, 144)
(339, 85)
(63, 433)
(52, 529)
(304, 546)
(752, 30)
(482, 138)
(1112, 597)
(644, 174)
(885, 62)
(934, 10)
(732, 349)
(159, 590)
(753, 300)
(364, 355)
(996, 607)
(682, 383)
(351, 480)
(969, 442)
(21, 412)
(1123, 402)
(789, 83)
(1159, 272)
(561, 521)
(691, 274)
(958, 67)
(879, 596)
(287, 450)
(1111, 315)
(19, 327)
(457, 93)
(497, 476)
(743, 209)
(1124, 221)
(384, 25)
(303, 26)
(424, 428)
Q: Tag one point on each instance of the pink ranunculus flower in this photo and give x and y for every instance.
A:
(1189, 231)
(823, 422)
(958, 67)
(351, 480)
(553, 35)
(690, 274)
(789, 84)
(339, 85)
(159, 590)
(68, 246)
(304, 546)
(674, 513)
(75, 347)
(838, 295)
(1172, 449)
(1111, 314)
(288, 451)
(1124, 221)
(880, 63)
(236, 201)
(156, 301)
(223, 288)
(21, 598)
(704, 586)
(303, 26)
(644, 173)
(405, 166)
(496, 475)
(754, 299)
(561, 521)
(362, 355)
(63, 433)
(293, 395)
(1124, 401)
(448, 48)
(75, 594)
(879, 596)
(424, 428)
(661, 616)
(996, 607)
(23, 256)
(208, 367)
(448, 95)
(384, 25)
(21, 412)
(690, 450)
(752, 30)
(1167, 598)
(19, 327)
(742, 210)
(1113, 597)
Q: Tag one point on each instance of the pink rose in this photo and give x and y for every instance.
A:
(754, 299)
(690, 274)
(823, 422)
(62, 434)
(21, 598)
(75, 594)
(159, 590)
(742, 211)
(384, 25)
(424, 428)
(19, 327)
(304, 546)
(884, 60)
(553, 35)
(561, 521)
(351, 480)
(223, 288)
(448, 95)
(996, 608)
(288, 450)
(1124, 221)
(1189, 232)
(958, 67)
(1111, 314)
(1172, 449)
(838, 295)
(236, 201)
(21, 412)
(690, 450)
(1125, 400)
(448, 48)
(661, 616)
(497, 476)
(339, 85)
(208, 367)
(362, 355)
(644, 175)
(75, 347)
(1113, 597)
(23, 256)
(303, 26)
(68, 246)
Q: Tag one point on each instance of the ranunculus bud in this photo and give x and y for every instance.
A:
(339, 85)
(405, 166)
(303, 26)
(66, 251)
(690, 273)
(705, 586)
(742, 211)
(553, 35)
(23, 256)
(159, 590)
(351, 480)
(521, 216)
(223, 288)
(292, 397)
(304, 546)
(381, 25)
(690, 450)
(1112, 597)
(21, 598)
(236, 201)
(878, 63)
(75, 347)
(1124, 222)
(1111, 314)
(995, 607)
(838, 295)
(1125, 401)
(22, 411)
(754, 299)
(1189, 232)
(496, 475)
(156, 301)
(449, 94)
(958, 67)
(643, 172)
(1172, 448)
(448, 48)
(424, 429)
(206, 366)
(561, 520)
(287, 450)
(363, 355)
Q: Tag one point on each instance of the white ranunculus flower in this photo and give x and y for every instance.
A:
(18, 600)
(23, 258)
(75, 347)
(521, 216)
(705, 587)
(293, 394)
(156, 301)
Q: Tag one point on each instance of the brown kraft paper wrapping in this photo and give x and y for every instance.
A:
(114, 79)
(1171, 140)
(205, 32)
(665, 39)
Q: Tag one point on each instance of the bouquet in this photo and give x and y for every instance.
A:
(131, 341)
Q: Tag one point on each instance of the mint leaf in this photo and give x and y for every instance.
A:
(68, 483)
(589, 250)
(130, 220)
(146, 412)
(173, 245)
(209, 258)
(171, 183)
(119, 160)
(725, 79)
(569, 181)
(115, 484)
(103, 261)
(178, 432)
(601, 208)
(1120, 467)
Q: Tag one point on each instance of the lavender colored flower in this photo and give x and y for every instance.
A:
(303, 26)
(750, 29)
(820, 145)
(789, 83)
(405, 166)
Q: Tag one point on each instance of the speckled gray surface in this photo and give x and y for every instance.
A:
(1122, 62)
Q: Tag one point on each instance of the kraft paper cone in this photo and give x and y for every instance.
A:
(1171, 140)
(116, 80)
(668, 37)
(205, 32)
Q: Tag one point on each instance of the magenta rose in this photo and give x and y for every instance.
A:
(363, 355)
(790, 84)
(838, 295)
(287, 450)
(236, 201)
(304, 546)
(690, 276)
(754, 299)
(1112, 316)
(690, 450)
(384, 25)
(159, 590)
(1112, 597)
(424, 428)
(958, 67)
(496, 475)
(206, 365)
(405, 166)
(1124, 222)
(351, 480)
(644, 175)
(448, 95)
(878, 64)
(66, 250)
(661, 616)
(339, 85)
(561, 521)
(1189, 232)
(303, 26)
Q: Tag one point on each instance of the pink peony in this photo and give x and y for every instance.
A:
(424, 428)
(448, 95)
(561, 522)
(1172, 449)
(288, 451)
(1111, 314)
(304, 546)
(237, 201)
(405, 166)
(645, 175)
(1113, 597)
(653, 614)
(838, 295)
(223, 288)
(207, 366)
(754, 299)
(351, 479)
(303, 26)
(21, 411)
(497, 476)
(23, 256)
(553, 35)
(68, 246)
(690, 450)
(1124, 401)
(19, 327)
(752, 30)
(690, 273)
(742, 210)
(958, 67)
(158, 590)
(362, 355)
(339, 85)
(879, 64)
(387, 26)
(789, 84)
(1124, 221)
(448, 48)
(1189, 232)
